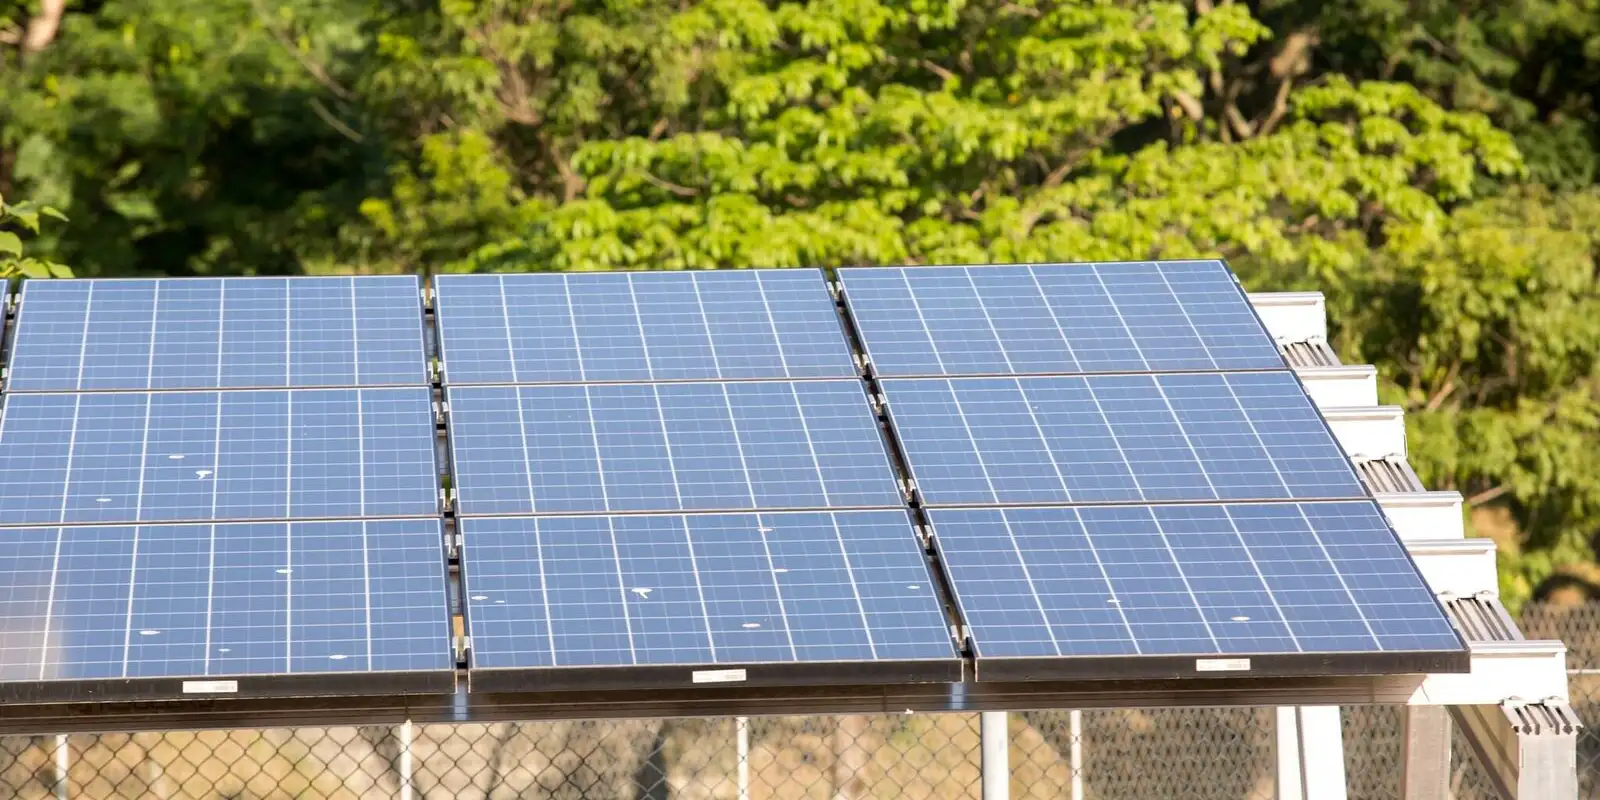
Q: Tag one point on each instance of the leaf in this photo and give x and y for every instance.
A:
(11, 244)
(52, 213)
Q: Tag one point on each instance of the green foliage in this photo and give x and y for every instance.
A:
(1429, 165)
(13, 261)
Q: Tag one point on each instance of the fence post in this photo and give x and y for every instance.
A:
(996, 746)
(1076, 718)
(742, 728)
(63, 765)
(405, 760)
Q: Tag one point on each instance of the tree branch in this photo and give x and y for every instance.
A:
(42, 27)
(1444, 391)
(314, 69)
(1487, 496)
(943, 73)
(333, 122)
(681, 191)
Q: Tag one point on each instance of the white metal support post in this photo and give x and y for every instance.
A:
(742, 727)
(63, 766)
(1077, 754)
(1310, 745)
(996, 747)
(1427, 753)
(405, 760)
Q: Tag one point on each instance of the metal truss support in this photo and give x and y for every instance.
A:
(1310, 753)
(1528, 750)
(1427, 753)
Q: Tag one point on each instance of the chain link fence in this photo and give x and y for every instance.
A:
(1206, 754)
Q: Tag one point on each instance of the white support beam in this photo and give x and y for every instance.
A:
(1424, 516)
(1341, 387)
(1310, 743)
(1371, 432)
(1459, 567)
(1529, 671)
(1292, 316)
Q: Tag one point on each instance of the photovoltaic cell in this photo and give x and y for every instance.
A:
(1056, 319)
(645, 326)
(124, 603)
(667, 447)
(201, 456)
(1187, 580)
(699, 590)
(208, 333)
(1116, 438)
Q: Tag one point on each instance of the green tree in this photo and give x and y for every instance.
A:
(14, 262)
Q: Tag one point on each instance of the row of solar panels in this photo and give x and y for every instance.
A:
(677, 478)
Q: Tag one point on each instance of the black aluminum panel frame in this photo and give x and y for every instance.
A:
(681, 676)
(1261, 665)
(322, 684)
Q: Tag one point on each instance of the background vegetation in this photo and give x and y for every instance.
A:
(1430, 164)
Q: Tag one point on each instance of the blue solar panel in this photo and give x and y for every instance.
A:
(86, 603)
(1056, 319)
(699, 590)
(203, 333)
(1187, 580)
(1116, 438)
(646, 326)
(667, 447)
(197, 456)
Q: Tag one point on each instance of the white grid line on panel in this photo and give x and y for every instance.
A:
(133, 583)
(622, 590)
(83, 346)
(50, 604)
(772, 321)
(355, 334)
(1000, 343)
(366, 588)
(572, 316)
(638, 320)
(1027, 575)
(1133, 474)
(1044, 299)
(1334, 566)
(738, 443)
(694, 564)
(811, 445)
(1039, 429)
(1267, 587)
(972, 437)
(927, 331)
(505, 314)
(527, 460)
(666, 441)
(1184, 310)
(599, 461)
(777, 590)
(1111, 300)
(705, 322)
(1105, 575)
(1177, 566)
(855, 587)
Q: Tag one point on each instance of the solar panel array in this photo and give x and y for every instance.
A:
(1125, 385)
(187, 507)
(678, 479)
(622, 396)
